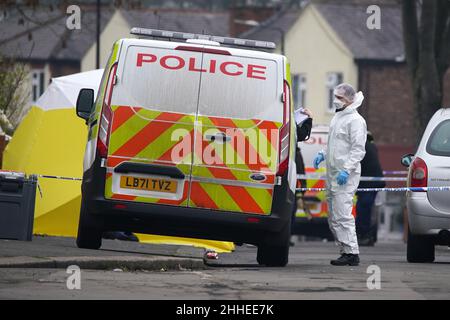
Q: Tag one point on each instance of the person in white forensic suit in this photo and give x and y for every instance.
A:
(345, 150)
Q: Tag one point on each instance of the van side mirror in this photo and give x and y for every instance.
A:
(85, 102)
(407, 159)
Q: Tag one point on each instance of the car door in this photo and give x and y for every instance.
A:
(154, 105)
(236, 139)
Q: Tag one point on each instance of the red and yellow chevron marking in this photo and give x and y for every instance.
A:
(252, 144)
(227, 197)
(315, 183)
(142, 135)
(145, 136)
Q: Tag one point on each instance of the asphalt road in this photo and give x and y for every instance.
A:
(236, 275)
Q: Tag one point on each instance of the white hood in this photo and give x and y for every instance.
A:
(359, 98)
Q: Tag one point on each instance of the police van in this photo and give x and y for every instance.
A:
(191, 135)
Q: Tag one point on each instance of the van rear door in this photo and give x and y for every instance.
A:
(240, 113)
(154, 105)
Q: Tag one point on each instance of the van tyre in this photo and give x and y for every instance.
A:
(275, 252)
(420, 249)
(89, 230)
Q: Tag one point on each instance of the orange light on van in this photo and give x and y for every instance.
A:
(120, 206)
(253, 220)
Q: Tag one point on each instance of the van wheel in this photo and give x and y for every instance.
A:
(276, 254)
(420, 249)
(89, 230)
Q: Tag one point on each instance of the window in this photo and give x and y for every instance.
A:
(333, 79)
(439, 142)
(299, 90)
(37, 83)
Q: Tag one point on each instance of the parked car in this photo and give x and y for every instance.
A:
(429, 211)
(191, 138)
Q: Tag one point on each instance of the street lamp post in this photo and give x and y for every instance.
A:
(254, 23)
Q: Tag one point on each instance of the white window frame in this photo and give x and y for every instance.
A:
(299, 84)
(331, 81)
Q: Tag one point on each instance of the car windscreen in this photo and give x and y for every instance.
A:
(158, 79)
(439, 141)
(240, 87)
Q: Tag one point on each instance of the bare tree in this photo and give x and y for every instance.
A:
(13, 93)
(426, 33)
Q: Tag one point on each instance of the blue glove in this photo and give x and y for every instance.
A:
(318, 159)
(342, 177)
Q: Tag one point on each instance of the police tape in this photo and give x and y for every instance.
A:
(395, 172)
(414, 189)
(317, 176)
(59, 177)
(54, 177)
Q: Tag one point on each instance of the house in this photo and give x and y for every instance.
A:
(41, 40)
(328, 43)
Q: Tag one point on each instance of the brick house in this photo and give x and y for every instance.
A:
(328, 43)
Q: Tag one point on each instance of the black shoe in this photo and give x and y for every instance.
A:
(346, 260)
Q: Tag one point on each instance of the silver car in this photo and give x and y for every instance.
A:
(429, 211)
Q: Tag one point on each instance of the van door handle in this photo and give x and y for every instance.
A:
(219, 137)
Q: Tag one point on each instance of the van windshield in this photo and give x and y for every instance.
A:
(244, 88)
(439, 142)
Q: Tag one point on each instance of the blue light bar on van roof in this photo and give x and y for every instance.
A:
(186, 36)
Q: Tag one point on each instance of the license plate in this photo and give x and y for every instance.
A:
(148, 184)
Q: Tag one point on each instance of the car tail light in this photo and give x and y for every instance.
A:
(106, 115)
(284, 149)
(418, 175)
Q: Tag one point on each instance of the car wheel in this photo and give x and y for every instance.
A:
(420, 249)
(275, 252)
(89, 230)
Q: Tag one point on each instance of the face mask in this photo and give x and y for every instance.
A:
(338, 104)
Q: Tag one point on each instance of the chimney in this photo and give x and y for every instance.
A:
(240, 12)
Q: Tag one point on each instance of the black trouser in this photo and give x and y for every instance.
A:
(364, 206)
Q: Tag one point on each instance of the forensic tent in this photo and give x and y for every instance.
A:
(51, 140)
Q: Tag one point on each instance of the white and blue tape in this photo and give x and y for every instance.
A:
(404, 189)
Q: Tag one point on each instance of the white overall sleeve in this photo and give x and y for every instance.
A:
(358, 136)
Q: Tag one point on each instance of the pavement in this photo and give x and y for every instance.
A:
(61, 252)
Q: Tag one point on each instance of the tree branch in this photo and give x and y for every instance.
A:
(411, 35)
(443, 53)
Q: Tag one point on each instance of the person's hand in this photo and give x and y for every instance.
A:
(318, 159)
(307, 112)
(342, 177)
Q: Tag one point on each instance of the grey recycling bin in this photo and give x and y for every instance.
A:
(17, 198)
